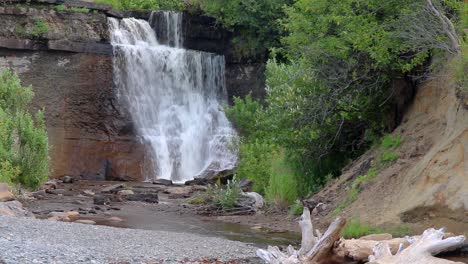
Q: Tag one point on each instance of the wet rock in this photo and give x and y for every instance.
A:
(163, 182)
(41, 194)
(56, 191)
(50, 185)
(14, 208)
(113, 188)
(198, 181)
(63, 216)
(144, 197)
(178, 190)
(256, 200)
(101, 200)
(179, 196)
(85, 221)
(68, 179)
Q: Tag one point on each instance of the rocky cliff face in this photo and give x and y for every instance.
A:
(69, 64)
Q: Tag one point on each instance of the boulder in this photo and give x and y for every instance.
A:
(6, 196)
(125, 192)
(41, 194)
(63, 216)
(101, 200)
(14, 208)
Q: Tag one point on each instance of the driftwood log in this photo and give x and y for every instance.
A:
(317, 248)
(314, 248)
(421, 250)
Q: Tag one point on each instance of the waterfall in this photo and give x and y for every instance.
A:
(174, 97)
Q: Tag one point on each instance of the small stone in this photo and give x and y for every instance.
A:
(113, 188)
(68, 179)
(86, 222)
(88, 193)
(50, 185)
(125, 192)
(163, 182)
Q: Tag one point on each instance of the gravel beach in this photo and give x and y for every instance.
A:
(27, 240)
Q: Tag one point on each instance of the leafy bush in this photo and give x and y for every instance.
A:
(23, 139)
(40, 28)
(389, 156)
(296, 208)
(228, 196)
(258, 22)
(60, 8)
(390, 141)
(79, 10)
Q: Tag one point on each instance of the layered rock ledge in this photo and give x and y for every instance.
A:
(67, 57)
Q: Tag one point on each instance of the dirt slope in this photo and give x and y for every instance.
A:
(428, 184)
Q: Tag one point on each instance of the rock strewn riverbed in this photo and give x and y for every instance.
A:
(25, 240)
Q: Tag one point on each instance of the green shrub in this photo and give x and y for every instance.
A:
(389, 156)
(296, 208)
(40, 28)
(144, 4)
(60, 8)
(200, 199)
(282, 186)
(23, 139)
(79, 10)
(390, 141)
(228, 196)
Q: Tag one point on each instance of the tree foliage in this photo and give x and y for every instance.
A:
(327, 99)
(144, 4)
(257, 21)
(23, 139)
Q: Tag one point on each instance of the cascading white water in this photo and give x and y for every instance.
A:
(174, 96)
